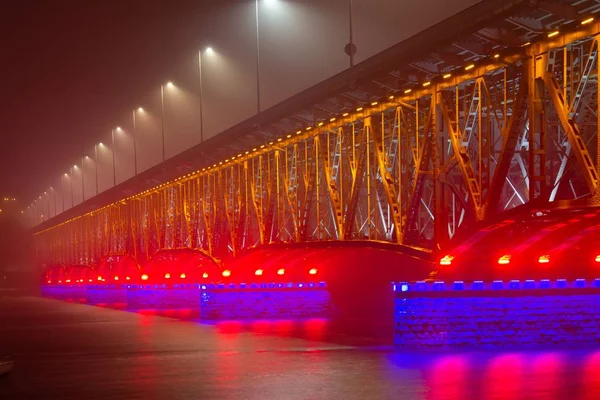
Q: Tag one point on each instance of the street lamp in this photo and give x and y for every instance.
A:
(113, 157)
(209, 51)
(162, 115)
(96, 162)
(140, 109)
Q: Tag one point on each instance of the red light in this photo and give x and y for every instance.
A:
(544, 259)
(116, 278)
(597, 259)
(227, 273)
(446, 260)
(167, 276)
(68, 281)
(258, 272)
(505, 259)
(49, 281)
(59, 281)
(99, 278)
(182, 276)
(127, 278)
(281, 271)
(205, 275)
(144, 277)
(313, 271)
(90, 280)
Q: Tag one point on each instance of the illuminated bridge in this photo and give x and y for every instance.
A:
(409, 155)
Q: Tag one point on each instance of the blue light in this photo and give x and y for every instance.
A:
(545, 284)
(514, 284)
(478, 285)
(497, 285)
(438, 286)
(203, 287)
(404, 288)
(530, 284)
(561, 283)
(459, 285)
(579, 283)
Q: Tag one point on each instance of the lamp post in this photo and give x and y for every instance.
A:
(208, 50)
(140, 109)
(257, 62)
(162, 116)
(113, 158)
(82, 183)
(72, 194)
(96, 163)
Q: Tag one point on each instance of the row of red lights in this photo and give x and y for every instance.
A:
(505, 259)
(226, 273)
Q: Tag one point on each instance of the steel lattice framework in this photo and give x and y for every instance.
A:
(409, 168)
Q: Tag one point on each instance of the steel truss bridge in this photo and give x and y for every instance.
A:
(491, 109)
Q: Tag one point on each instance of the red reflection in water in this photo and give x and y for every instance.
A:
(503, 379)
(315, 328)
(591, 377)
(229, 327)
(449, 378)
(547, 375)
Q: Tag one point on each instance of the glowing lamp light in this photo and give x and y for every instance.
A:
(505, 259)
(597, 259)
(544, 259)
(587, 21)
(258, 272)
(144, 277)
(127, 278)
(167, 276)
(313, 271)
(281, 271)
(116, 278)
(59, 281)
(446, 260)
(99, 278)
(49, 281)
(68, 281)
(90, 280)
(205, 275)
(182, 276)
(226, 273)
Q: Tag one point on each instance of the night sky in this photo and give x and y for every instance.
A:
(70, 67)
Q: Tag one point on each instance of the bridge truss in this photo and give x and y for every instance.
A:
(434, 153)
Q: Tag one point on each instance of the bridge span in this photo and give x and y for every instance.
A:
(491, 109)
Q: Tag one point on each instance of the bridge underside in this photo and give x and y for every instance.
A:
(436, 135)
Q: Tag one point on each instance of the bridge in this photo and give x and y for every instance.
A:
(425, 143)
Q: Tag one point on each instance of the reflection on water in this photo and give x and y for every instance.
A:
(137, 355)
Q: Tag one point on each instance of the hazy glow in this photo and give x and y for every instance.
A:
(140, 109)
(209, 50)
(170, 84)
(118, 128)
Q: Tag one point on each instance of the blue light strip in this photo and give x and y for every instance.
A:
(202, 287)
(235, 286)
(513, 284)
